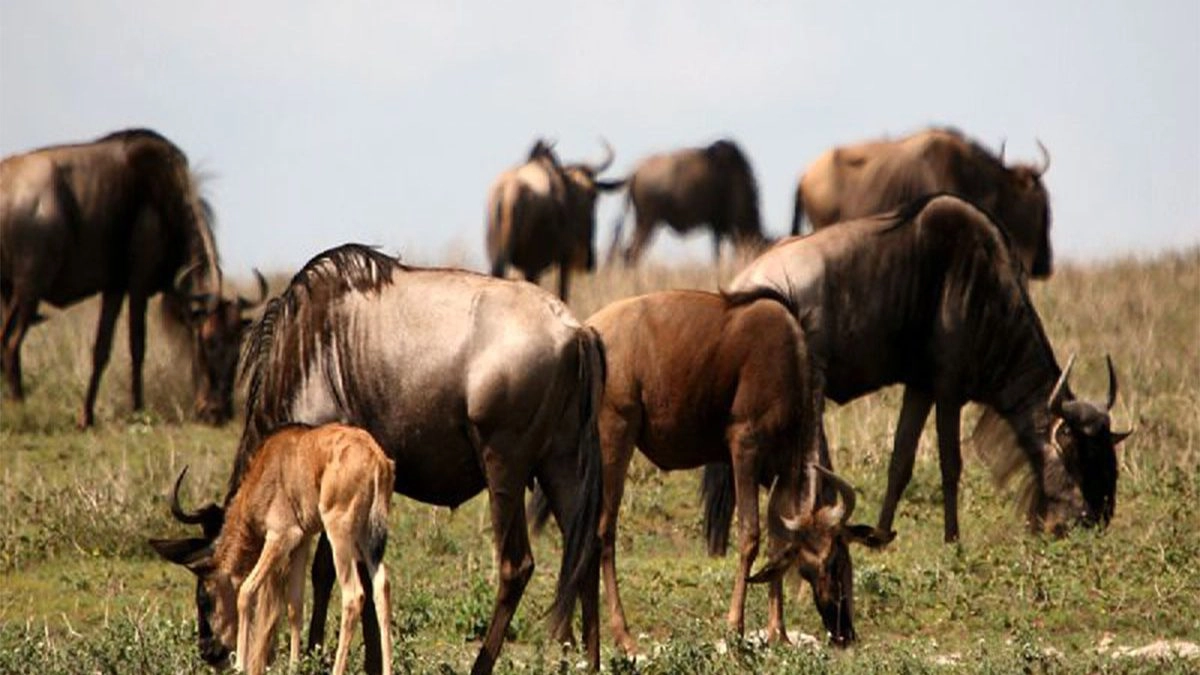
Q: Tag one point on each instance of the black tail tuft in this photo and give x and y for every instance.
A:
(716, 492)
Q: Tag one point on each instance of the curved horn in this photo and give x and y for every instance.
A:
(184, 272)
(263, 291)
(602, 166)
(845, 489)
(1045, 158)
(182, 516)
(1112, 383)
(1054, 403)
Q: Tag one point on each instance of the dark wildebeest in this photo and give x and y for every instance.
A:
(931, 297)
(467, 382)
(119, 216)
(303, 481)
(543, 213)
(713, 185)
(855, 181)
(696, 377)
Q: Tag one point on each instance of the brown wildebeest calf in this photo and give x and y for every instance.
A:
(696, 377)
(303, 480)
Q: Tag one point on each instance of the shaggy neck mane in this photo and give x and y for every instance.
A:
(279, 350)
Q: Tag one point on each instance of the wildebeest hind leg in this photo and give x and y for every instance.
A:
(137, 345)
(506, 488)
(110, 307)
(17, 319)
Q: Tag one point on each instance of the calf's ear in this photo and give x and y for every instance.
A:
(193, 553)
(868, 536)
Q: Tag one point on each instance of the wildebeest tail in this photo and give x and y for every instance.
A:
(716, 493)
(377, 523)
(581, 541)
(798, 211)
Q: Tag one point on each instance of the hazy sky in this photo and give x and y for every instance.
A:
(384, 122)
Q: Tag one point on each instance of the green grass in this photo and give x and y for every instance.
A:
(80, 591)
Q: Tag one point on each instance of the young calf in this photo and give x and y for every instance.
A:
(300, 481)
(695, 378)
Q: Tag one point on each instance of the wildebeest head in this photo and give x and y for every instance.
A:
(819, 545)
(583, 187)
(216, 596)
(1081, 435)
(216, 325)
(1024, 199)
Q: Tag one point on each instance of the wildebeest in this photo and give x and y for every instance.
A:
(696, 377)
(713, 185)
(931, 297)
(856, 181)
(467, 382)
(119, 216)
(303, 481)
(543, 213)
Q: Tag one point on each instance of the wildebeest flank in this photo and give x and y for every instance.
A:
(855, 181)
(119, 216)
(696, 377)
(931, 298)
(467, 382)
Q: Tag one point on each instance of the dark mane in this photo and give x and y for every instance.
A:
(296, 315)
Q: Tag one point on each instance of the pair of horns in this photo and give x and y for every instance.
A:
(843, 510)
(1041, 148)
(1057, 395)
(210, 299)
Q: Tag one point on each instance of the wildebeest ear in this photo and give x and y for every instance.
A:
(193, 553)
(775, 567)
(868, 536)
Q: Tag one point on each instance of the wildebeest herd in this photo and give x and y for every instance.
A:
(366, 375)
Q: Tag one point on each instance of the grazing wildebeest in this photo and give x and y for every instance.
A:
(303, 481)
(119, 216)
(696, 377)
(543, 213)
(931, 297)
(467, 382)
(713, 185)
(855, 181)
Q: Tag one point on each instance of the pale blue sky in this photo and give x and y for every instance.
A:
(384, 122)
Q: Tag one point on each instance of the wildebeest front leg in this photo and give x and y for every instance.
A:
(110, 307)
(743, 446)
(913, 413)
(776, 630)
(137, 344)
(950, 458)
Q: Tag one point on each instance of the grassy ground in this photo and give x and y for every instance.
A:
(80, 591)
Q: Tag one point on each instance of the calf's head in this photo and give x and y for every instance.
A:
(216, 592)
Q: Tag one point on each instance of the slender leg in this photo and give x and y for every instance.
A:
(616, 439)
(506, 491)
(18, 316)
(296, 599)
(913, 413)
(564, 280)
(322, 581)
(137, 344)
(353, 595)
(776, 630)
(641, 238)
(110, 307)
(277, 548)
(382, 592)
(744, 455)
(950, 457)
